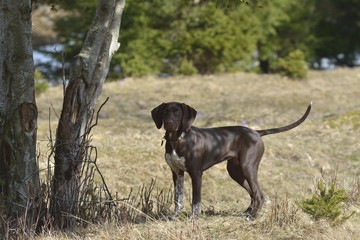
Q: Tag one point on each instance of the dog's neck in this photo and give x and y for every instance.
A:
(174, 136)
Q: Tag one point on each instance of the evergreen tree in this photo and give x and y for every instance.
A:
(187, 37)
(338, 31)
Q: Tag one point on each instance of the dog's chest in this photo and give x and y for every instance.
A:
(175, 162)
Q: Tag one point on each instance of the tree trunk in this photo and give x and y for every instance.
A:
(19, 173)
(264, 63)
(88, 73)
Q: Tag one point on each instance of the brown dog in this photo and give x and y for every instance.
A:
(193, 150)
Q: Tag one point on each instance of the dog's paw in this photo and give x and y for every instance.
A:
(173, 216)
(193, 217)
(249, 218)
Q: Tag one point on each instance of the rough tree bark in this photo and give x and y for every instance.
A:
(19, 173)
(87, 76)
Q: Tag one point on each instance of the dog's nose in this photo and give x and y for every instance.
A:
(168, 123)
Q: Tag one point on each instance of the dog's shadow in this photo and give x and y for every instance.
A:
(211, 212)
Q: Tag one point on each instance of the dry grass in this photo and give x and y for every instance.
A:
(130, 154)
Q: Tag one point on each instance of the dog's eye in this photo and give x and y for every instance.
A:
(177, 113)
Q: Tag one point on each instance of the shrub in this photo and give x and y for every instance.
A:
(294, 65)
(327, 203)
(186, 67)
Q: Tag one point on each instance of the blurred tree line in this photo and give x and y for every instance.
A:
(186, 37)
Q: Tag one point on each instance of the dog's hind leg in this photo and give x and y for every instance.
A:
(249, 161)
(234, 169)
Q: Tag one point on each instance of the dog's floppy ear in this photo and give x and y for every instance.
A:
(189, 115)
(156, 115)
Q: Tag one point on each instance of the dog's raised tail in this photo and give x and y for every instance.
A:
(288, 127)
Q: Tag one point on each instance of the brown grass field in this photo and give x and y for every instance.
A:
(326, 145)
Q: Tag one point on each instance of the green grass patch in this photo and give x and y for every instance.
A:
(351, 119)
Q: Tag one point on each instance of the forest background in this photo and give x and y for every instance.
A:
(161, 37)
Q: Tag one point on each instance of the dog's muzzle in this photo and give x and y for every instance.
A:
(170, 126)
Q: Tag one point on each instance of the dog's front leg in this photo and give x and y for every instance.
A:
(178, 178)
(196, 179)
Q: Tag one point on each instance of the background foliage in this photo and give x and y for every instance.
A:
(171, 37)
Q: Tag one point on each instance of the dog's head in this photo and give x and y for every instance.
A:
(173, 116)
